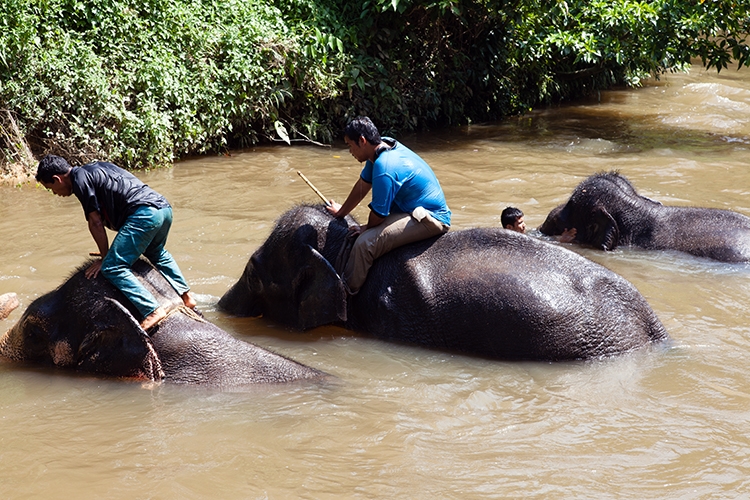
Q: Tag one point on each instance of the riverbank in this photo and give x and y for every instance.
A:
(18, 165)
(144, 85)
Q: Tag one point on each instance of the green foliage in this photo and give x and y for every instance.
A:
(143, 82)
(416, 64)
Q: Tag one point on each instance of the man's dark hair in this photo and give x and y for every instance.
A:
(362, 126)
(509, 216)
(50, 166)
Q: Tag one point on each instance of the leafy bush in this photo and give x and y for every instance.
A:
(143, 82)
(428, 63)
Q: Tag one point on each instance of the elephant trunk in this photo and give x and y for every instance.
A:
(238, 300)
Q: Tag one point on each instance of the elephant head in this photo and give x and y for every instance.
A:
(605, 210)
(290, 278)
(598, 229)
(88, 325)
(608, 212)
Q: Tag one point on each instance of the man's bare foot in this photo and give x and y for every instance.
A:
(153, 318)
(189, 300)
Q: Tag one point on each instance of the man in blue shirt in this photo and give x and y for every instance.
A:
(407, 205)
(116, 199)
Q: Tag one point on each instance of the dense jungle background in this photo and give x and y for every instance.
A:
(145, 82)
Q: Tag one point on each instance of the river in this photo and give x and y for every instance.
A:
(406, 422)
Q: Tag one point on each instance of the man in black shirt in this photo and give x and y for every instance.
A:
(114, 198)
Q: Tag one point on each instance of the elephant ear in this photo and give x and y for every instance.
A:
(319, 291)
(118, 346)
(604, 232)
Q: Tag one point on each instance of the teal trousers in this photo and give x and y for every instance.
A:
(143, 233)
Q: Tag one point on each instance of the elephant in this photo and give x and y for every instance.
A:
(607, 212)
(488, 292)
(89, 325)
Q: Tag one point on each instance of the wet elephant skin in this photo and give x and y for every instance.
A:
(488, 292)
(607, 212)
(88, 325)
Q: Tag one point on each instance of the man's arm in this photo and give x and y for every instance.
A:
(374, 220)
(358, 193)
(99, 233)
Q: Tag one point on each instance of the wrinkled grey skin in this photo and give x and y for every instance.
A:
(487, 292)
(607, 212)
(88, 325)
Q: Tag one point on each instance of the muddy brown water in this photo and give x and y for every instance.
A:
(404, 422)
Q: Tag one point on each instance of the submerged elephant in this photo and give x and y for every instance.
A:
(607, 212)
(88, 325)
(488, 292)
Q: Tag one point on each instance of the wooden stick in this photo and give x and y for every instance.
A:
(328, 203)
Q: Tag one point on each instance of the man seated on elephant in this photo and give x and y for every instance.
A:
(407, 205)
(114, 198)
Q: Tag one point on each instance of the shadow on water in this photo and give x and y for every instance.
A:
(715, 114)
(607, 131)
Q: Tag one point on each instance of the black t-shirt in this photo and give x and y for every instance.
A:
(113, 192)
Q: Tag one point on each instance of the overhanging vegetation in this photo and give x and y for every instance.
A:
(144, 82)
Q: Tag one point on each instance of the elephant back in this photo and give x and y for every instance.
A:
(500, 294)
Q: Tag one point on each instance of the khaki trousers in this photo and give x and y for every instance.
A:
(396, 230)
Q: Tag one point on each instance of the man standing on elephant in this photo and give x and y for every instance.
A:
(407, 205)
(114, 198)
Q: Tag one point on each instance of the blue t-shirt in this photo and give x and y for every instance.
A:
(402, 181)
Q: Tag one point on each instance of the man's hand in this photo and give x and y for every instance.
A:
(568, 235)
(359, 191)
(93, 269)
(355, 229)
(333, 208)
